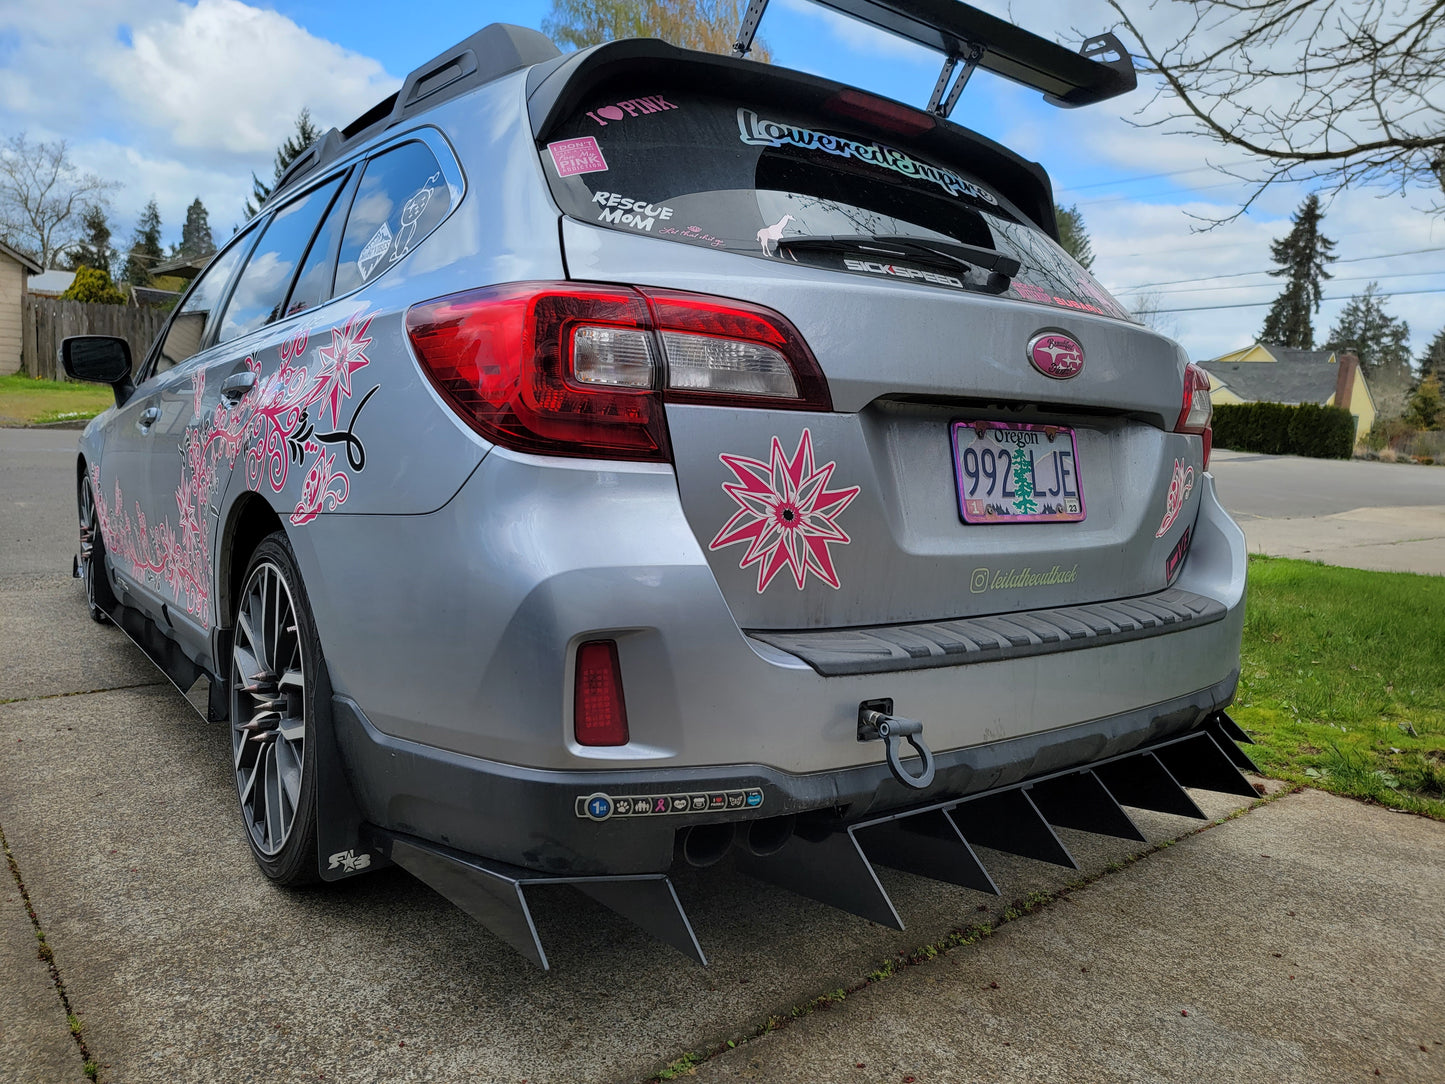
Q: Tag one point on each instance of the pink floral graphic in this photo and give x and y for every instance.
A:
(323, 486)
(271, 425)
(1180, 486)
(786, 514)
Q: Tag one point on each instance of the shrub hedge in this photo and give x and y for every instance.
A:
(1277, 429)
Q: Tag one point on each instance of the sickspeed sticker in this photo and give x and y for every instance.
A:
(899, 271)
(601, 807)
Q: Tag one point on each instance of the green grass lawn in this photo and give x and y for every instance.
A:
(35, 402)
(1343, 681)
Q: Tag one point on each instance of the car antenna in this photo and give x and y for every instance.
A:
(1101, 69)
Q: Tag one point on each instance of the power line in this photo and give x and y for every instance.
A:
(1141, 177)
(1245, 274)
(1234, 244)
(1273, 285)
(1266, 304)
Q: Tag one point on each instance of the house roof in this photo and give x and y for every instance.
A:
(20, 258)
(186, 267)
(1295, 376)
(51, 282)
(146, 295)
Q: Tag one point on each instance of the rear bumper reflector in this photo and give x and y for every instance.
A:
(964, 640)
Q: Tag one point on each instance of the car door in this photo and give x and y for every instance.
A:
(156, 537)
(206, 407)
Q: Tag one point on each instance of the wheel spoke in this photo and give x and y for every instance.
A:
(288, 764)
(268, 708)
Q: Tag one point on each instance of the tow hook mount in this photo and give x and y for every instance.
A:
(876, 722)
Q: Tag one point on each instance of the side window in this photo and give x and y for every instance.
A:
(402, 197)
(187, 329)
(261, 290)
(313, 285)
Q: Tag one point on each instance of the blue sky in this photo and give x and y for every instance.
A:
(184, 98)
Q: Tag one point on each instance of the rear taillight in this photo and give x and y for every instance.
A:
(599, 711)
(1197, 411)
(583, 370)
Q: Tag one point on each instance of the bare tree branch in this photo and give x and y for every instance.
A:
(43, 195)
(1342, 92)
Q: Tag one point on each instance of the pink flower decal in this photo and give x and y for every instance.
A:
(786, 514)
(1180, 486)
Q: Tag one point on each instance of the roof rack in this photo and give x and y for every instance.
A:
(490, 53)
(1101, 69)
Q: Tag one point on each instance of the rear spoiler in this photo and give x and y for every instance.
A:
(1101, 69)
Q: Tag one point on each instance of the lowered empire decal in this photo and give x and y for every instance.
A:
(786, 514)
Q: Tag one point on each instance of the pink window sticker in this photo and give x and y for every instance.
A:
(574, 156)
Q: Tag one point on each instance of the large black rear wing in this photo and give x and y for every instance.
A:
(1101, 69)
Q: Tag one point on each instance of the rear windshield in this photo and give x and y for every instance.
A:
(763, 181)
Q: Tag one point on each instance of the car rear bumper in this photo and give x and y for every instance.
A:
(539, 819)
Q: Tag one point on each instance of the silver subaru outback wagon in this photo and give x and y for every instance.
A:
(589, 462)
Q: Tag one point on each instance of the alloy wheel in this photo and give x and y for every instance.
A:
(268, 708)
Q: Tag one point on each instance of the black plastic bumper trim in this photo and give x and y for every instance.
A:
(528, 816)
(888, 648)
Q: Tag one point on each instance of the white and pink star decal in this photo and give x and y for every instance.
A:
(786, 513)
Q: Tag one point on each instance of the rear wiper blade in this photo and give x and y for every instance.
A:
(901, 245)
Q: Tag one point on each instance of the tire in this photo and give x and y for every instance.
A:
(279, 695)
(98, 593)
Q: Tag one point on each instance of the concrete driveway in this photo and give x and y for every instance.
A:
(1389, 517)
(181, 963)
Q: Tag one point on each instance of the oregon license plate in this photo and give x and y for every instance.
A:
(1009, 472)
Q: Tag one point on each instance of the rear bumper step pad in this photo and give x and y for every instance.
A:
(883, 649)
(834, 862)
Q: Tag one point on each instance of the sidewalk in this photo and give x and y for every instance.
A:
(1302, 942)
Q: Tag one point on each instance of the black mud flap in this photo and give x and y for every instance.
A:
(343, 847)
(495, 894)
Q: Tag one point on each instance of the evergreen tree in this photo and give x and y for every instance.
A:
(93, 286)
(1072, 235)
(1425, 410)
(145, 248)
(1432, 361)
(1302, 257)
(196, 237)
(1379, 340)
(93, 249)
(1024, 485)
(306, 134)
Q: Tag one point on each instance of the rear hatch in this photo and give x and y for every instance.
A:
(1000, 434)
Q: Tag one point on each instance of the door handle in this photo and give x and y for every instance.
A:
(237, 385)
(148, 418)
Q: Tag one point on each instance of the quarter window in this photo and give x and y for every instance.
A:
(402, 198)
(261, 290)
(313, 285)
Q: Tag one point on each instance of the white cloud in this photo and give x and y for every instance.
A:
(174, 100)
(229, 76)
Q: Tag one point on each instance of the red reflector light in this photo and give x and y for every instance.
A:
(582, 369)
(1198, 410)
(880, 112)
(599, 711)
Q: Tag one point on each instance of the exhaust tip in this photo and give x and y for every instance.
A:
(769, 835)
(704, 844)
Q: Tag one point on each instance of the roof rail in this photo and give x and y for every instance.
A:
(492, 52)
(1101, 69)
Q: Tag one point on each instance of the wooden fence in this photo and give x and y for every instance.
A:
(45, 321)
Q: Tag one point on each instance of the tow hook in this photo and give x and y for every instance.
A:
(876, 722)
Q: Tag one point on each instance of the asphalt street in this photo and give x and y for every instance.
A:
(1389, 517)
(181, 963)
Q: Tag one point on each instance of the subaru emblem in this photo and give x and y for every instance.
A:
(1055, 354)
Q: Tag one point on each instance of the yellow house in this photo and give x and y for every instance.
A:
(15, 268)
(1284, 374)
